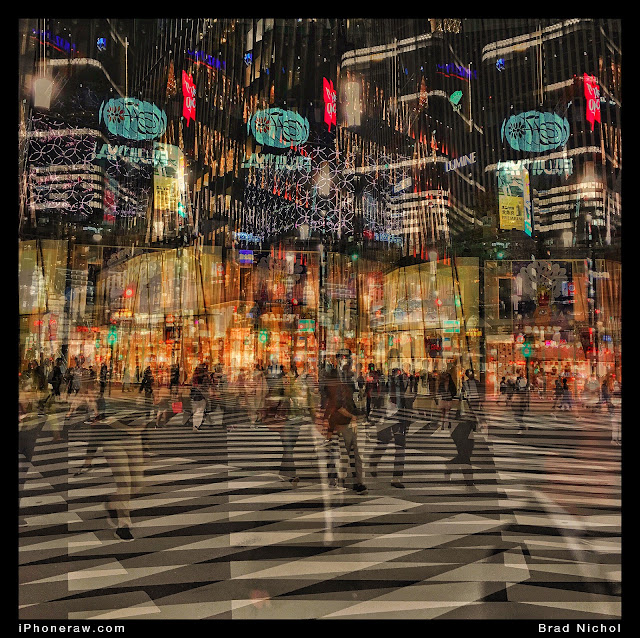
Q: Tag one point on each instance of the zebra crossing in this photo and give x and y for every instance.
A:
(218, 534)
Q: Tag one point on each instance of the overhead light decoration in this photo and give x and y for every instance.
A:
(101, 44)
(500, 64)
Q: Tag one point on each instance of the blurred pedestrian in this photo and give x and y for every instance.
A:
(104, 373)
(462, 434)
(503, 389)
(520, 401)
(174, 381)
(146, 386)
(55, 380)
(557, 394)
(395, 429)
(199, 394)
(126, 380)
(340, 413)
(257, 394)
(566, 401)
(446, 391)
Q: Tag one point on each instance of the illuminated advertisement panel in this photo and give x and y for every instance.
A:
(329, 94)
(133, 119)
(535, 131)
(527, 204)
(189, 92)
(278, 128)
(168, 184)
(514, 200)
(592, 97)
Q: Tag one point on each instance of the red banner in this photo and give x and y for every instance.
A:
(329, 102)
(592, 97)
(189, 92)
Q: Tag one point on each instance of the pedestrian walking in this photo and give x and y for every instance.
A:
(340, 414)
(566, 401)
(55, 381)
(104, 373)
(146, 386)
(503, 389)
(520, 401)
(257, 394)
(126, 380)
(199, 394)
(463, 437)
(174, 381)
(446, 391)
(557, 394)
(395, 430)
(471, 393)
(121, 439)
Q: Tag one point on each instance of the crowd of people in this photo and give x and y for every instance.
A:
(336, 403)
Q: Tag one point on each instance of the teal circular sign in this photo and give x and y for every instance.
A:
(133, 118)
(278, 128)
(535, 131)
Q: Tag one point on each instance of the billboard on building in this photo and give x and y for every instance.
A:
(514, 198)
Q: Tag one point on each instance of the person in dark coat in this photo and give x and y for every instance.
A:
(446, 392)
(340, 411)
(461, 435)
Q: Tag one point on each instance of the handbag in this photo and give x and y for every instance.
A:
(176, 406)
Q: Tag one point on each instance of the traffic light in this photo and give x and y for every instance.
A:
(112, 337)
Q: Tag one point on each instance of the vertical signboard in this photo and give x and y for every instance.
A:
(169, 186)
(189, 93)
(514, 200)
(592, 98)
(527, 204)
(329, 102)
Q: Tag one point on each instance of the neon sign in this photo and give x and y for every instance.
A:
(55, 41)
(208, 60)
(279, 162)
(189, 92)
(249, 237)
(455, 100)
(329, 102)
(592, 96)
(457, 71)
(535, 131)
(245, 256)
(553, 167)
(133, 119)
(392, 239)
(461, 161)
(157, 157)
(278, 128)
